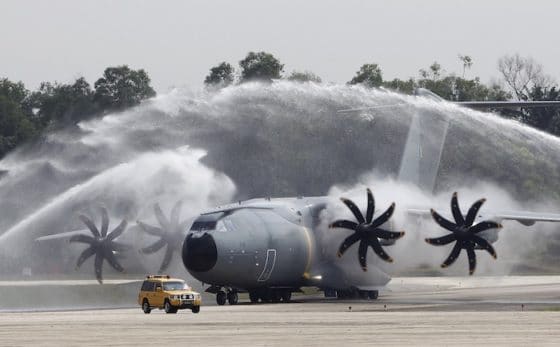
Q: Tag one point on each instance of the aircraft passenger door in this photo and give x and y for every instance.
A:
(268, 266)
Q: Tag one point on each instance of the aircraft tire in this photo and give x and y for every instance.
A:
(373, 294)
(254, 296)
(286, 296)
(232, 298)
(275, 296)
(221, 298)
(146, 306)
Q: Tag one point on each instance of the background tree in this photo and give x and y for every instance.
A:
(220, 75)
(522, 75)
(260, 66)
(401, 86)
(122, 87)
(369, 75)
(434, 72)
(63, 104)
(305, 76)
(467, 62)
(15, 126)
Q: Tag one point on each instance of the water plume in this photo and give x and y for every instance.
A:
(253, 140)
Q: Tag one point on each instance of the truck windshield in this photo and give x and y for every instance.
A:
(174, 286)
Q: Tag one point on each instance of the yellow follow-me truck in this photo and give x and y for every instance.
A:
(170, 294)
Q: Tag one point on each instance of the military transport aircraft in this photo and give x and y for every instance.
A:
(272, 247)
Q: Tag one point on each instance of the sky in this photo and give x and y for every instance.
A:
(177, 42)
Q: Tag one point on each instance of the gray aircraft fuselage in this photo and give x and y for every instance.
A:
(274, 243)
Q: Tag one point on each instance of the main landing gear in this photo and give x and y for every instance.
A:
(270, 295)
(231, 297)
(352, 294)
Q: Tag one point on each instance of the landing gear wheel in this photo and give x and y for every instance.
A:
(232, 297)
(254, 296)
(275, 296)
(286, 296)
(373, 294)
(195, 309)
(221, 298)
(168, 308)
(146, 307)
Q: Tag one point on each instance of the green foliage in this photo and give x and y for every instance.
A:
(60, 104)
(369, 75)
(260, 66)
(122, 87)
(305, 76)
(15, 127)
(544, 118)
(220, 75)
(402, 86)
(13, 91)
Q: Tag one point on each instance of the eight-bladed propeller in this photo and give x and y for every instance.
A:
(464, 232)
(170, 233)
(103, 245)
(367, 230)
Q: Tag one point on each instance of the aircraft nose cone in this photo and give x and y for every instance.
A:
(199, 252)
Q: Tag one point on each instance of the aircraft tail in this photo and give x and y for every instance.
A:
(423, 149)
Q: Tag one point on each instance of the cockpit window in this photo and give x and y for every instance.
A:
(203, 225)
(206, 221)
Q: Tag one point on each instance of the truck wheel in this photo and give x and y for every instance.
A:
(146, 306)
(195, 309)
(168, 308)
(221, 298)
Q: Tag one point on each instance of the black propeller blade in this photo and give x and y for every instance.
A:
(102, 244)
(170, 233)
(464, 233)
(366, 231)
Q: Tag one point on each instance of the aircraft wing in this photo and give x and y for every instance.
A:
(523, 217)
(62, 236)
(528, 218)
(508, 104)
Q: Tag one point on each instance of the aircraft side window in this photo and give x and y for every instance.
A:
(221, 226)
(229, 225)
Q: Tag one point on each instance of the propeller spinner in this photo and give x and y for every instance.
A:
(464, 233)
(367, 230)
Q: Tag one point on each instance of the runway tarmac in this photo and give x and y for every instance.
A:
(421, 311)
